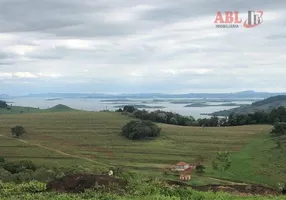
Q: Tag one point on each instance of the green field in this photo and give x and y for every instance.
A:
(93, 139)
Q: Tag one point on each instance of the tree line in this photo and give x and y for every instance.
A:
(159, 116)
(259, 117)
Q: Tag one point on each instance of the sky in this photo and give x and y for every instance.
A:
(139, 46)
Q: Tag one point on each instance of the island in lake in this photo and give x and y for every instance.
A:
(208, 105)
(53, 99)
(140, 106)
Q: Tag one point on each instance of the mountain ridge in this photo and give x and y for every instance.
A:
(242, 94)
(264, 105)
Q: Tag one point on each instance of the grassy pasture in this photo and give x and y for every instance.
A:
(96, 136)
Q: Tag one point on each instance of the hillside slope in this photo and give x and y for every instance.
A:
(264, 105)
(96, 136)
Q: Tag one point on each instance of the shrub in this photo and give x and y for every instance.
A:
(2, 160)
(9, 189)
(4, 175)
(24, 176)
(33, 187)
(43, 174)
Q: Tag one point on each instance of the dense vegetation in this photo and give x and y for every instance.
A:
(259, 117)
(136, 130)
(25, 170)
(137, 189)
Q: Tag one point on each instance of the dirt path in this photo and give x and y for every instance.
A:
(226, 181)
(57, 151)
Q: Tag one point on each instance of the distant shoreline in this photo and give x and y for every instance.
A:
(208, 105)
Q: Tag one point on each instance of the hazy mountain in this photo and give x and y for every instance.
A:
(244, 94)
(264, 105)
(5, 96)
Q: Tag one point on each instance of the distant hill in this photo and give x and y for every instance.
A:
(243, 94)
(28, 110)
(60, 108)
(5, 96)
(264, 105)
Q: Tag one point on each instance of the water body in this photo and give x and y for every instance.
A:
(101, 104)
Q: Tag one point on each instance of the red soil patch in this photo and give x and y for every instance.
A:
(79, 182)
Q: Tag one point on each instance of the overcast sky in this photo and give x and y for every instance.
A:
(123, 46)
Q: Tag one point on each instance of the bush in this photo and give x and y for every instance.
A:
(200, 168)
(140, 129)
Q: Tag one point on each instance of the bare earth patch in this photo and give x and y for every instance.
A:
(77, 183)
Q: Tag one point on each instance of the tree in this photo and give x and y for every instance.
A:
(129, 109)
(135, 130)
(222, 162)
(3, 104)
(119, 110)
(18, 131)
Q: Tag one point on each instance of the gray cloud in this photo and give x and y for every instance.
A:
(139, 46)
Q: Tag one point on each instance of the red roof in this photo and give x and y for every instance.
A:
(182, 163)
(188, 170)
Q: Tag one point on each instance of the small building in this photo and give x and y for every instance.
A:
(185, 170)
(187, 173)
(181, 166)
(185, 177)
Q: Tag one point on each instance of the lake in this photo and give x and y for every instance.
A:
(94, 104)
